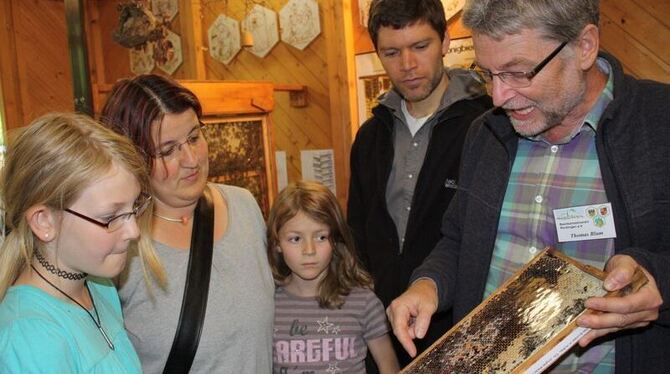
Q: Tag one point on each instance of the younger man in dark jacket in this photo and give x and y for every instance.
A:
(404, 161)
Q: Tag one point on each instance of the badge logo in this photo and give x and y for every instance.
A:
(598, 214)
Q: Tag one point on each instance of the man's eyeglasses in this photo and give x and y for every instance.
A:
(517, 79)
(172, 150)
(117, 221)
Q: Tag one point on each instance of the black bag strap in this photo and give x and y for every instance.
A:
(196, 289)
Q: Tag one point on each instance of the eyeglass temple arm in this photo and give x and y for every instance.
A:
(544, 62)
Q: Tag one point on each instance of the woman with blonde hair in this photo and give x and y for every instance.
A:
(72, 191)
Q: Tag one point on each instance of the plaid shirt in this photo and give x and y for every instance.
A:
(545, 177)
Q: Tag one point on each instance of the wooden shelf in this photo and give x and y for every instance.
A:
(297, 94)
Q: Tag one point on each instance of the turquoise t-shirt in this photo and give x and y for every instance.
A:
(42, 334)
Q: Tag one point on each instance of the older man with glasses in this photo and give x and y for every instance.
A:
(570, 131)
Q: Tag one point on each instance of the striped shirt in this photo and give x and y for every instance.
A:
(545, 177)
(308, 338)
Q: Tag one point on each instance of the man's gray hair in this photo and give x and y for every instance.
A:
(561, 20)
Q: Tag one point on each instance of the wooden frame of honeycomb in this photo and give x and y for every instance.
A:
(525, 325)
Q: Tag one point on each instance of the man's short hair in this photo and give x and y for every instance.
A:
(402, 13)
(561, 20)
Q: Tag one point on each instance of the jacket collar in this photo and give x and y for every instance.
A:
(462, 86)
(622, 89)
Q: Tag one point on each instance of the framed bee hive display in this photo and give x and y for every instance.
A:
(237, 126)
(238, 155)
(525, 325)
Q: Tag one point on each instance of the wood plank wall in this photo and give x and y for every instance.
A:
(295, 129)
(36, 76)
(637, 32)
(35, 72)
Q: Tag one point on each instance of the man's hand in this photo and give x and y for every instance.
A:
(410, 313)
(635, 310)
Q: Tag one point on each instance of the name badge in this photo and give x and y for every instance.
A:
(586, 222)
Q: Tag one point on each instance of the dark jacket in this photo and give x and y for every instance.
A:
(633, 145)
(373, 228)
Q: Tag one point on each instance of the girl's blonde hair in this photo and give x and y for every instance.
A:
(51, 162)
(320, 204)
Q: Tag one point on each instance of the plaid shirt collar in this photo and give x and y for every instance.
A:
(606, 96)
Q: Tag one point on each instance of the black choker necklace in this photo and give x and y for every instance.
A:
(53, 270)
(97, 322)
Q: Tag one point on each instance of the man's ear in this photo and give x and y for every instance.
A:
(42, 221)
(445, 43)
(588, 44)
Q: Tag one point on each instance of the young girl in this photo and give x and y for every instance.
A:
(326, 315)
(72, 191)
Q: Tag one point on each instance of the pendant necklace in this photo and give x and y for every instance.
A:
(97, 322)
(182, 220)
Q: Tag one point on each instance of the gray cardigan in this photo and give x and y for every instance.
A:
(633, 145)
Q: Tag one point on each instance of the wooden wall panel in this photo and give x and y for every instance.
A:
(295, 129)
(35, 72)
(38, 78)
(342, 88)
(12, 111)
(637, 32)
(117, 58)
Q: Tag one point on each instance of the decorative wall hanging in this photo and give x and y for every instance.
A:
(224, 39)
(299, 22)
(147, 33)
(238, 130)
(165, 10)
(142, 59)
(137, 26)
(371, 82)
(363, 12)
(237, 154)
(318, 165)
(261, 22)
(451, 7)
(168, 53)
(461, 53)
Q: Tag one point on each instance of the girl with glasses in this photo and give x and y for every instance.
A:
(73, 195)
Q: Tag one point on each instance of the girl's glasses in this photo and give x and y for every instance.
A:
(116, 222)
